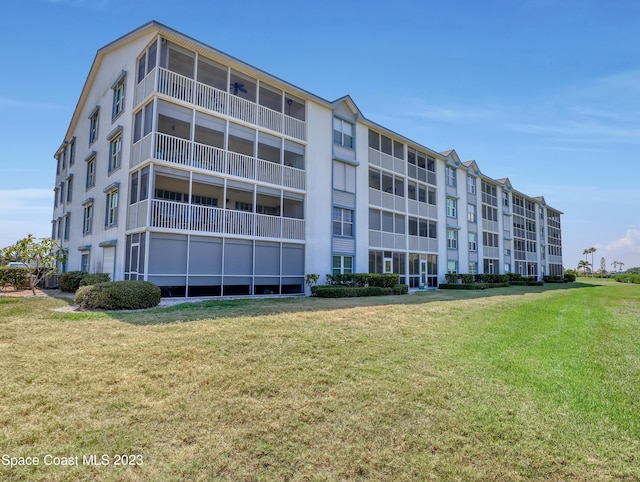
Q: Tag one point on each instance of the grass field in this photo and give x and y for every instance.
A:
(538, 383)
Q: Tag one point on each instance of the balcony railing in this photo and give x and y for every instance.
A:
(204, 219)
(183, 88)
(201, 156)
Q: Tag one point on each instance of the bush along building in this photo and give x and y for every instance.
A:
(188, 168)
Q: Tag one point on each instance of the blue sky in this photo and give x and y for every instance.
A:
(545, 92)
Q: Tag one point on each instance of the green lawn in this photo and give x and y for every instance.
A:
(537, 383)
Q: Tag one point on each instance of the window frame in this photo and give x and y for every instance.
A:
(450, 175)
(472, 241)
(94, 125)
(452, 207)
(340, 137)
(115, 158)
(471, 185)
(91, 172)
(472, 215)
(341, 265)
(342, 218)
(87, 219)
(452, 238)
(111, 207)
(119, 93)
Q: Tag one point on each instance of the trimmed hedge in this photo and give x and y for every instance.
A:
(337, 291)
(362, 280)
(472, 286)
(69, 282)
(464, 286)
(627, 278)
(14, 277)
(94, 279)
(118, 295)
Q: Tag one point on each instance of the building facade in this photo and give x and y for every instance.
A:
(191, 169)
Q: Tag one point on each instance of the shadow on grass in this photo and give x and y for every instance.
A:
(232, 308)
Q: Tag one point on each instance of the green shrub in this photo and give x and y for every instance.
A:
(464, 286)
(94, 279)
(492, 278)
(118, 295)
(569, 277)
(14, 277)
(518, 283)
(554, 279)
(535, 283)
(69, 282)
(362, 280)
(342, 291)
(627, 278)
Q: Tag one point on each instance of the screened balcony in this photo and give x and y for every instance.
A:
(288, 119)
(175, 150)
(220, 208)
(209, 143)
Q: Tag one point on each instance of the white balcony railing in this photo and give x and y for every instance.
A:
(200, 156)
(177, 216)
(183, 88)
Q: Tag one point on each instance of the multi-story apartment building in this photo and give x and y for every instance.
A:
(191, 169)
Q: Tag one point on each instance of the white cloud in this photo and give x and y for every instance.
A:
(625, 249)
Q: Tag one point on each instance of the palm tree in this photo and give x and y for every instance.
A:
(621, 264)
(586, 260)
(584, 265)
(592, 250)
(615, 266)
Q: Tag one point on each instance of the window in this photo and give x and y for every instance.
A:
(473, 242)
(67, 226)
(115, 153)
(452, 239)
(91, 172)
(61, 193)
(342, 133)
(85, 262)
(489, 239)
(505, 199)
(489, 213)
(342, 222)
(452, 207)
(489, 194)
(118, 97)
(142, 122)
(69, 188)
(344, 177)
(452, 267)
(93, 125)
(72, 151)
(423, 228)
(471, 213)
(59, 228)
(342, 265)
(87, 223)
(111, 215)
(450, 176)
(133, 190)
(473, 267)
(55, 198)
(147, 62)
(471, 185)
